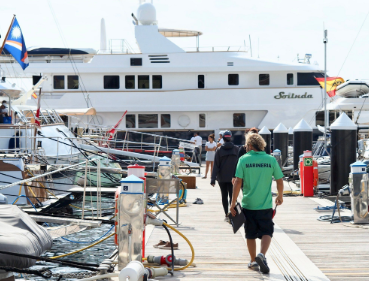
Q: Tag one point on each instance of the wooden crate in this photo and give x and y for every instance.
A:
(189, 180)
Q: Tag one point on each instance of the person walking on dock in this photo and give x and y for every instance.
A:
(256, 169)
(210, 148)
(197, 141)
(225, 162)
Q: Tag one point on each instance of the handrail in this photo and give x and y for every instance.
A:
(45, 174)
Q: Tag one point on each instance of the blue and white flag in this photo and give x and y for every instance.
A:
(15, 44)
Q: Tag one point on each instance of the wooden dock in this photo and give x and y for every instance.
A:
(303, 248)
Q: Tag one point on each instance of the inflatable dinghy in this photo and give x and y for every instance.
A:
(19, 233)
(352, 89)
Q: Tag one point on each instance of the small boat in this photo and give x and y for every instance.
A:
(352, 89)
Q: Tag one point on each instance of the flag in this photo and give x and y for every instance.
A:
(332, 83)
(34, 95)
(37, 119)
(15, 45)
(112, 131)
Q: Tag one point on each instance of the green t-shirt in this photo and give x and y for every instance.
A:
(256, 168)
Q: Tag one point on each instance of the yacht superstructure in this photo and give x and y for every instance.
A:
(167, 89)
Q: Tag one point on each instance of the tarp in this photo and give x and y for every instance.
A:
(19, 233)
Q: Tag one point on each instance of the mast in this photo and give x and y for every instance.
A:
(2, 47)
(326, 115)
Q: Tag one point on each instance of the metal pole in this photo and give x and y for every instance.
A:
(326, 115)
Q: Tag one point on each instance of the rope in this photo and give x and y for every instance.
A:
(42, 273)
(85, 248)
(19, 196)
(86, 266)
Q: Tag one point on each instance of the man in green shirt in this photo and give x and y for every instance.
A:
(256, 169)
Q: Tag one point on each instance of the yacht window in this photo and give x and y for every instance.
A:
(263, 79)
(130, 81)
(157, 82)
(35, 79)
(111, 82)
(73, 82)
(308, 79)
(130, 121)
(201, 81)
(147, 120)
(239, 120)
(136, 61)
(165, 120)
(202, 120)
(143, 82)
(59, 82)
(289, 78)
(233, 79)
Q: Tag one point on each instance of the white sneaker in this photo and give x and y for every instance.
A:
(253, 265)
(226, 219)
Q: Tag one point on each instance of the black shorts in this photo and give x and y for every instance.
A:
(258, 223)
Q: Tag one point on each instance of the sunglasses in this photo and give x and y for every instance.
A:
(274, 211)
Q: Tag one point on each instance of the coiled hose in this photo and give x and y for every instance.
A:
(189, 244)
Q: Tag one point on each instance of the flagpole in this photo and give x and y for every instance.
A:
(326, 116)
(2, 47)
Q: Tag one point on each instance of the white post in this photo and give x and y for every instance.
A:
(84, 191)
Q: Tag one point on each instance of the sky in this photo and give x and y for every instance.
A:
(279, 29)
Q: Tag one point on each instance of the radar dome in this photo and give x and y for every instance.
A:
(146, 14)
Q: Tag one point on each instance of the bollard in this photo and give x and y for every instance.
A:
(280, 141)
(302, 140)
(343, 151)
(266, 135)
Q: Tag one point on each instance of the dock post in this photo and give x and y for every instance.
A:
(280, 141)
(343, 151)
(302, 140)
(266, 135)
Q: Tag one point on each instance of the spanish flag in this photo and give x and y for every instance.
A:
(34, 95)
(332, 83)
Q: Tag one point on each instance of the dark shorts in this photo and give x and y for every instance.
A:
(258, 223)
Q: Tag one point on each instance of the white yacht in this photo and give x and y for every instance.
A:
(170, 91)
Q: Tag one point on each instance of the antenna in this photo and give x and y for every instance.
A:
(103, 36)
(250, 45)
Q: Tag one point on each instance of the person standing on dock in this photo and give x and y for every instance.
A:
(197, 141)
(220, 140)
(210, 148)
(225, 162)
(256, 169)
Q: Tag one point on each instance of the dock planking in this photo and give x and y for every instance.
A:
(340, 252)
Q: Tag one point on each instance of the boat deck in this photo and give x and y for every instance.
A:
(303, 248)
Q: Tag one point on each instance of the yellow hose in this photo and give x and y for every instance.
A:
(189, 244)
(85, 248)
